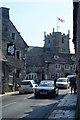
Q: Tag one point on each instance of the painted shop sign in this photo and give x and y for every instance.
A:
(10, 49)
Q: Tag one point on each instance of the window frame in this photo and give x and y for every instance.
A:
(66, 67)
(13, 36)
(58, 67)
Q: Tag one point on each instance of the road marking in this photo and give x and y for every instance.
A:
(8, 104)
(25, 98)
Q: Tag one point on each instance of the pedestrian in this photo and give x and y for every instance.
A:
(73, 84)
(55, 79)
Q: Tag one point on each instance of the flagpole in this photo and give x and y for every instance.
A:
(61, 20)
(57, 25)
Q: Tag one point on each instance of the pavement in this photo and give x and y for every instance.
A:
(9, 93)
(65, 110)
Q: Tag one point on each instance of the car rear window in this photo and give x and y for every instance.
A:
(61, 80)
(26, 83)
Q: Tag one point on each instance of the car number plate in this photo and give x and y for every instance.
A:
(43, 92)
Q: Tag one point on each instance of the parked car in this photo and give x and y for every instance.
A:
(27, 86)
(63, 83)
(70, 76)
(46, 88)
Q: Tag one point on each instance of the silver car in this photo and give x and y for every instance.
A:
(27, 86)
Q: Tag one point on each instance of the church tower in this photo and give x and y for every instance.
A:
(56, 42)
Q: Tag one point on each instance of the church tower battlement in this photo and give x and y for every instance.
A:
(57, 42)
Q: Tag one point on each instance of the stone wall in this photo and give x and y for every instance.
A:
(15, 65)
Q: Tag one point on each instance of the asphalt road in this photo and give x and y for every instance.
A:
(26, 106)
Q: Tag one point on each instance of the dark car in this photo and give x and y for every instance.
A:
(46, 88)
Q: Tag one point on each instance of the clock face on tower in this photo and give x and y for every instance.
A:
(56, 57)
(73, 58)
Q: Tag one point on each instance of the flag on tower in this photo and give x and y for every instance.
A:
(61, 20)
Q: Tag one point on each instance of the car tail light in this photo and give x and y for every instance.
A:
(31, 85)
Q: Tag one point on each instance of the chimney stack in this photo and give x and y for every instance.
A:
(4, 12)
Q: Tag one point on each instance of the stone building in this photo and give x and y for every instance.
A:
(76, 41)
(14, 50)
(52, 59)
(20, 61)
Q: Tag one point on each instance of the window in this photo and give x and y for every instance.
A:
(17, 73)
(62, 40)
(58, 75)
(58, 66)
(48, 41)
(74, 67)
(56, 57)
(67, 67)
(13, 36)
(32, 76)
(18, 54)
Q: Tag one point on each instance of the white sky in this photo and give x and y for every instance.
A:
(32, 19)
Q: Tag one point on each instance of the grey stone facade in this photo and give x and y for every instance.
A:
(13, 67)
(56, 42)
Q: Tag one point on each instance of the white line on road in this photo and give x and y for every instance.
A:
(25, 98)
(8, 104)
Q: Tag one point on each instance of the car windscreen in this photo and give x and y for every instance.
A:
(61, 80)
(46, 84)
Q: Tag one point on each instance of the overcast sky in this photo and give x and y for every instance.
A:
(32, 19)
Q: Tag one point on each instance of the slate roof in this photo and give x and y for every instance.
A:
(35, 56)
(63, 58)
(35, 50)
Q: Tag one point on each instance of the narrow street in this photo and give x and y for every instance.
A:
(26, 106)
